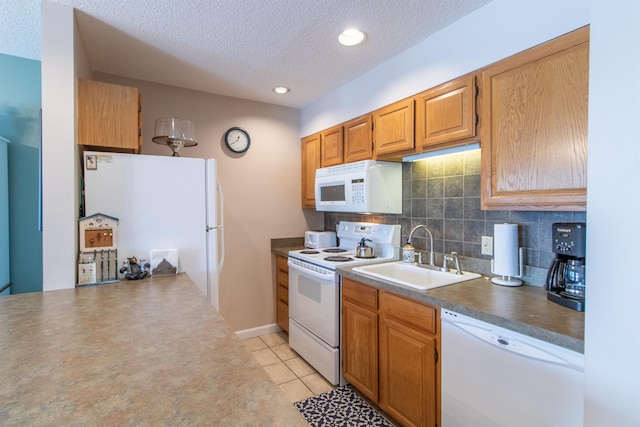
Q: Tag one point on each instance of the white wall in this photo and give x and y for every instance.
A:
(59, 154)
(612, 338)
(493, 32)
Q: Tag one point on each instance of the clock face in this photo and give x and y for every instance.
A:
(237, 139)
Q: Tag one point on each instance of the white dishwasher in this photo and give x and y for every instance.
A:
(494, 377)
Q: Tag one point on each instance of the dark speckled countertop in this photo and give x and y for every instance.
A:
(523, 309)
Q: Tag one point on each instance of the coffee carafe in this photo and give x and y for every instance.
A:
(565, 282)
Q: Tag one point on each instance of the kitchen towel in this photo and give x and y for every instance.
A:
(505, 250)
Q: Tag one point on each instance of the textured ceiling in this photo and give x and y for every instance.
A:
(239, 48)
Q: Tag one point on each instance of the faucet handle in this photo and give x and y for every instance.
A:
(456, 261)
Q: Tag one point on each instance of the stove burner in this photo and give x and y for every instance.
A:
(366, 257)
(338, 258)
(309, 252)
(334, 250)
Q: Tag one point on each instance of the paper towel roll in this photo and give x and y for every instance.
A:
(505, 250)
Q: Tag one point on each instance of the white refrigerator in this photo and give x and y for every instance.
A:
(161, 203)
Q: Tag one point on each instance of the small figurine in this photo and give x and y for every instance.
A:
(164, 267)
(134, 271)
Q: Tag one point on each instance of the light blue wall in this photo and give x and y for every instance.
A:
(4, 215)
(20, 104)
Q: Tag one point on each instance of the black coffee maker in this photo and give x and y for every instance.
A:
(565, 282)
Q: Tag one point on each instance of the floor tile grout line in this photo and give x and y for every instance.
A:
(270, 344)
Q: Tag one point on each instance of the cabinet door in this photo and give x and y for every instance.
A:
(282, 292)
(331, 147)
(408, 376)
(360, 348)
(393, 128)
(358, 143)
(310, 162)
(446, 113)
(108, 115)
(534, 145)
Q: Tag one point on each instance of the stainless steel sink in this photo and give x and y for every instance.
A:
(414, 275)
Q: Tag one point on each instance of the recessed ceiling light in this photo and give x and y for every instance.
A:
(281, 89)
(351, 37)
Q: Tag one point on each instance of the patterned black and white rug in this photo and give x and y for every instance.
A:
(340, 407)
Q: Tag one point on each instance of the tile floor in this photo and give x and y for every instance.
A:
(295, 377)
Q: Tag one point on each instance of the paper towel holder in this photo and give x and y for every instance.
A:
(505, 280)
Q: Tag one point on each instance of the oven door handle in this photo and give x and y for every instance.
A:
(328, 276)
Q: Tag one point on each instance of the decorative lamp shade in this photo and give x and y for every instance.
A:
(175, 133)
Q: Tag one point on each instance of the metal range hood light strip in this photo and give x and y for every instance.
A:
(442, 152)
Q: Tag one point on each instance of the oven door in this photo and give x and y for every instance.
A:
(314, 299)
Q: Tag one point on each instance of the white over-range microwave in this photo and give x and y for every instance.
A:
(368, 186)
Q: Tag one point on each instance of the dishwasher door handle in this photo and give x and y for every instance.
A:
(511, 344)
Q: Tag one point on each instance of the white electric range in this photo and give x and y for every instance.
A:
(314, 291)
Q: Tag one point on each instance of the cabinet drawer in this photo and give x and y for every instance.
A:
(283, 294)
(360, 294)
(282, 313)
(282, 279)
(281, 264)
(411, 313)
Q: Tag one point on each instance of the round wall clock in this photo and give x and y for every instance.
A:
(237, 140)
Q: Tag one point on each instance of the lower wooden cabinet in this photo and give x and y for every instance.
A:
(390, 352)
(360, 337)
(282, 292)
(408, 361)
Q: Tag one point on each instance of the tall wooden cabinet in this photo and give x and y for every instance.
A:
(534, 144)
(109, 116)
(390, 352)
(310, 162)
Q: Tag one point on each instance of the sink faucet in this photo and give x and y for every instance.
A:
(453, 258)
(431, 254)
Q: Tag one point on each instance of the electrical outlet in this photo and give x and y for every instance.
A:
(487, 245)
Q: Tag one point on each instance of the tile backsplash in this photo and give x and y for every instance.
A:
(444, 193)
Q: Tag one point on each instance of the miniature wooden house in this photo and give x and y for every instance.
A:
(98, 255)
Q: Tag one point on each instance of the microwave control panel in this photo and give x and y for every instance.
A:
(357, 191)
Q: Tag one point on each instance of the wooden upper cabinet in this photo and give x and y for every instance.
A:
(393, 128)
(108, 116)
(446, 113)
(332, 148)
(310, 162)
(534, 144)
(358, 144)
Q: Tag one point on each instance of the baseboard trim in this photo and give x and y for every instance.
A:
(260, 330)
